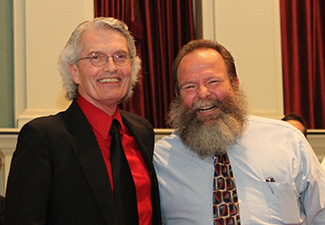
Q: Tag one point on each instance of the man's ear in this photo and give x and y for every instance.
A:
(235, 82)
(74, 73)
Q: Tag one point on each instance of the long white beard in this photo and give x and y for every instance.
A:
(208, 135)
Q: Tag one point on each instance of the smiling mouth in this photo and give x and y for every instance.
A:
(206, 109)
(108, 80)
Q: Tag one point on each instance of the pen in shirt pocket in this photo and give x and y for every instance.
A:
(268, 180)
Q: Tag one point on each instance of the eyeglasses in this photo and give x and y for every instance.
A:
(99, 59)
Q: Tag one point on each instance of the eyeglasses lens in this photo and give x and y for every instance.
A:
(100, 59)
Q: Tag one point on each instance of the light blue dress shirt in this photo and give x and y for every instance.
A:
(268, 149)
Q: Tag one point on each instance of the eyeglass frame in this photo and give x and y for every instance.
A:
(114, 57)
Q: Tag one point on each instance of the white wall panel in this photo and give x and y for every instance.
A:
(250, 30)
(43, 28)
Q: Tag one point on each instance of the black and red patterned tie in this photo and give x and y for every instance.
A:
(225, 200)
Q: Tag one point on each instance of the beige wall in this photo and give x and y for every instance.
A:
(250, 30)
(41, 30)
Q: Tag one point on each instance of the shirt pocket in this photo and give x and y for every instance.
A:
(283, 202)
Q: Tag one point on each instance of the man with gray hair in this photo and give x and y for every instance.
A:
(91, 164)
(222, 166)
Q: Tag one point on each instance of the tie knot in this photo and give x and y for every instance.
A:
(114, 127)
(223, 159)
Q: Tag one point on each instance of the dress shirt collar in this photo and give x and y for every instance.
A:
(98, 119)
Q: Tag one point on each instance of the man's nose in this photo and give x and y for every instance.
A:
(110, 65)
(203, 92)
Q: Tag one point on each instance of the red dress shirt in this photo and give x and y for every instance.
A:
(101, 123)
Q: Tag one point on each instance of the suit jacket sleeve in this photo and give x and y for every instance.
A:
(29, 183)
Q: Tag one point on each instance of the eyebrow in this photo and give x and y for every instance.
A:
(186, 83)
(100, 52)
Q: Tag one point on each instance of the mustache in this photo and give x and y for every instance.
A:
(225, 106)
(207, 103)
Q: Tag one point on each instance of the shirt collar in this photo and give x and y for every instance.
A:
(98, 119)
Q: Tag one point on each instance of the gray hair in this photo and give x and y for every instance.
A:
(70, 54)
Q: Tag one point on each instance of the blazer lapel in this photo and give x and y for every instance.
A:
(140, 134)
(91, 161)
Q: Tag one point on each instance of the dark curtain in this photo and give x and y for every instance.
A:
(161, 28)
(303, 49)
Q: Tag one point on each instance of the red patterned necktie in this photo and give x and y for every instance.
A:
(225, 200)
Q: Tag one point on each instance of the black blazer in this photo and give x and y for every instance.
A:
(58, 174)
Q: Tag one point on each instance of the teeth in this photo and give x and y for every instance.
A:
(108, 80)
(207, 108)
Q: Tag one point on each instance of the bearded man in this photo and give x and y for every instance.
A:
(223, 166)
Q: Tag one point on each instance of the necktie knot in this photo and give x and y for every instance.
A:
(114, 127)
